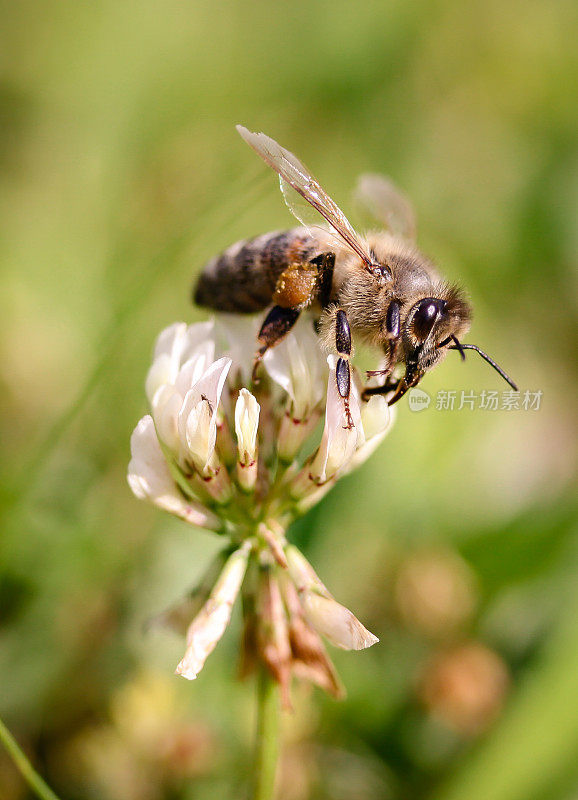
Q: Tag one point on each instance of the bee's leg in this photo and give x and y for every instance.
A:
(277, 324)
(342, 370)
(393, 320)
(392, 351)
(389, 386)
(398, 387)
(326, 265)
(392, 326)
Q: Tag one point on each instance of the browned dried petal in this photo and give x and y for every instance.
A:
(310, 659)
(273, 637)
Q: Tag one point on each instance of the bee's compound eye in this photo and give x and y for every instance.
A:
(425, 315)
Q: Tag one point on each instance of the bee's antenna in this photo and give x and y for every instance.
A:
(458, 346)
(461, 347)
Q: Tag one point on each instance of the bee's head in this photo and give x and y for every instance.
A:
(431, 328)
(430, 325)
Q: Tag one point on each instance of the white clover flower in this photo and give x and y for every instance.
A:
(175, 346)
(210, 623)
(197, 417)
(236, 335)
(298, 366)
(150, 479)
(376, 419)
(340, 439)
(324, 613)
(232, 457)
(246, 425)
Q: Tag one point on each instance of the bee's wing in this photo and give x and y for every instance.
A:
(296, 174)
(384, 203)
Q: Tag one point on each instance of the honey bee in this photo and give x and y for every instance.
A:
(379, 288)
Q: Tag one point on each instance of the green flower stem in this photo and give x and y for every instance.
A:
(32, 778)
(267, 743)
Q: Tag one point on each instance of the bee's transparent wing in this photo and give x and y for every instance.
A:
(299, 207)
(305, 213)
(298, 177)
(383, 203)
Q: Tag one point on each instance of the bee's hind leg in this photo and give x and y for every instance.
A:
(295, 288)
(277, 325)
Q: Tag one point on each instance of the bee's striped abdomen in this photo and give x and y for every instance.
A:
(243, 278)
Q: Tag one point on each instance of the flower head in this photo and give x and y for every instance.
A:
(234, 458)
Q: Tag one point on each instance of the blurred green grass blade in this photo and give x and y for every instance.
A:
(32, 778)
(537, 741)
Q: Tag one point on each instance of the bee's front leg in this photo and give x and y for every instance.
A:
(393, 340)
(389, 386)
(342, 370)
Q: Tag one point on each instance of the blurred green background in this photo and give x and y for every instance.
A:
(121, 173)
